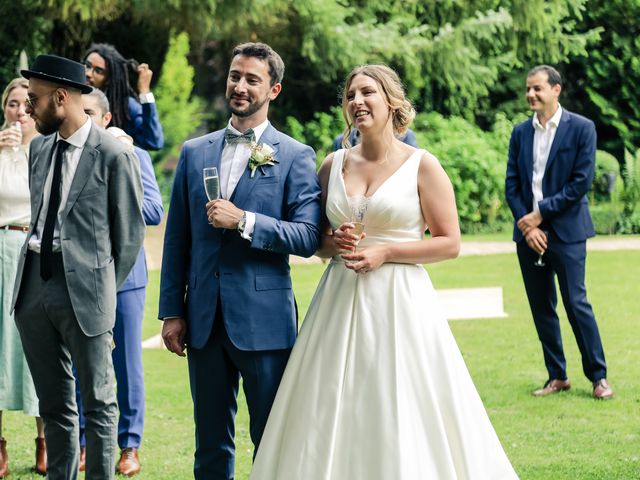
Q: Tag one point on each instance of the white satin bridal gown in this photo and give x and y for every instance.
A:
(376, 388)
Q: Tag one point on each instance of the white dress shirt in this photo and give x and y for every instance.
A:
(233, 163)
(70, 161)
(542, 140)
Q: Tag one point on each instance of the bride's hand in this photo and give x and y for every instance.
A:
(344, 239)
(366, 260)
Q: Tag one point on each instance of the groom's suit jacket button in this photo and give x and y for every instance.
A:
(216, 274)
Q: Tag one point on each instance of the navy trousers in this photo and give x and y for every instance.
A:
(214, 374)
(567, 262)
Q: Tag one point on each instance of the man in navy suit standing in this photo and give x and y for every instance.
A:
(225, 290)
(549, 172)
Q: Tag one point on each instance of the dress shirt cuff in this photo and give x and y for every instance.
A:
(249, 226)
(147, 97)
(173, 317)
(536, 207)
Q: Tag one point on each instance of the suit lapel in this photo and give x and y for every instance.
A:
(528, 150)
(83, 172)
(39, 170)
(213, 151)
(246, 183)
(559, 138)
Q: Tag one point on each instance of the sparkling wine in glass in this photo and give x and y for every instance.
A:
(16, 127)
(211, 183)
(358, 205)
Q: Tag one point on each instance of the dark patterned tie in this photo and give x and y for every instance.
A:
(46, 245)
(246, 137)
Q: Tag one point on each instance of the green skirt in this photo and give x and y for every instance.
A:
(16, 385)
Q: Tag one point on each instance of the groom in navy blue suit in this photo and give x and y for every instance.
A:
(549, 172)
(225, 290)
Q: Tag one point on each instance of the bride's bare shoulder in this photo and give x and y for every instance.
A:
(325, 167)
(429, 162)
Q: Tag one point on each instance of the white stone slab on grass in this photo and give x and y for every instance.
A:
(153, 342)
(458, 304)
(470, 303)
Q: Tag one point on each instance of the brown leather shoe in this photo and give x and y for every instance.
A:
(41, 456)
(82, 466)
(129, 463)
(602, 390)
(4, 458)
(552, 386)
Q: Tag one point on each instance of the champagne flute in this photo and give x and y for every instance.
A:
(358, 205)
(539, 262)
(211, 183)
(15, 126)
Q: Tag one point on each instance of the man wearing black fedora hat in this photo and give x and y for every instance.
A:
(85, 234)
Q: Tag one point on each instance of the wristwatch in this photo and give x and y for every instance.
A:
(242, 223)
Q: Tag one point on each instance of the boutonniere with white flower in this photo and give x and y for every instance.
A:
(261, 156)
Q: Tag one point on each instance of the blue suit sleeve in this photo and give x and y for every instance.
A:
(144, 125)
(299, 232)
(177, 246)
(513, 181)
(581, 176)
(152, 209)
(410, 138)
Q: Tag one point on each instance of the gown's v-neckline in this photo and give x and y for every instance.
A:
(384, 182)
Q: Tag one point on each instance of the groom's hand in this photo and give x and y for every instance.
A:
(174, 330)
(223, 214)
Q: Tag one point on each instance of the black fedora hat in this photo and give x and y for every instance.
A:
(58, 70)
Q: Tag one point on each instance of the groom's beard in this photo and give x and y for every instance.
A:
(250, 109)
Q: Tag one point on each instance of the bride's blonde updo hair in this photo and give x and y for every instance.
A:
(402, 110)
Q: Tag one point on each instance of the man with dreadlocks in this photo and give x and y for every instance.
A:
(135, 113)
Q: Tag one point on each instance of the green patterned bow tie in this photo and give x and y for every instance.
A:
(247, 137)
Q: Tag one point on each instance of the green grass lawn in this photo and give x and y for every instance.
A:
(568, 436)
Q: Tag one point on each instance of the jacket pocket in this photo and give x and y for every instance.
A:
(91, 192)
(105, 284)
(273, 282)
(264, 180)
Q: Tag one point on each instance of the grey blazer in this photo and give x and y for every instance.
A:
(101, 227)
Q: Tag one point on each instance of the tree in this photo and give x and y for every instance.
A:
(180, 112)
(609, 77)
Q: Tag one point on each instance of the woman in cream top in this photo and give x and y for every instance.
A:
(16, 386)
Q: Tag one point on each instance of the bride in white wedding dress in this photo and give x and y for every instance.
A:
(376, 388)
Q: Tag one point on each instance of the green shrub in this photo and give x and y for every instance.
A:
(606, 217)
(631, 193)
(319, 132)
(629, 224)
(475, 162)
(606, 180)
